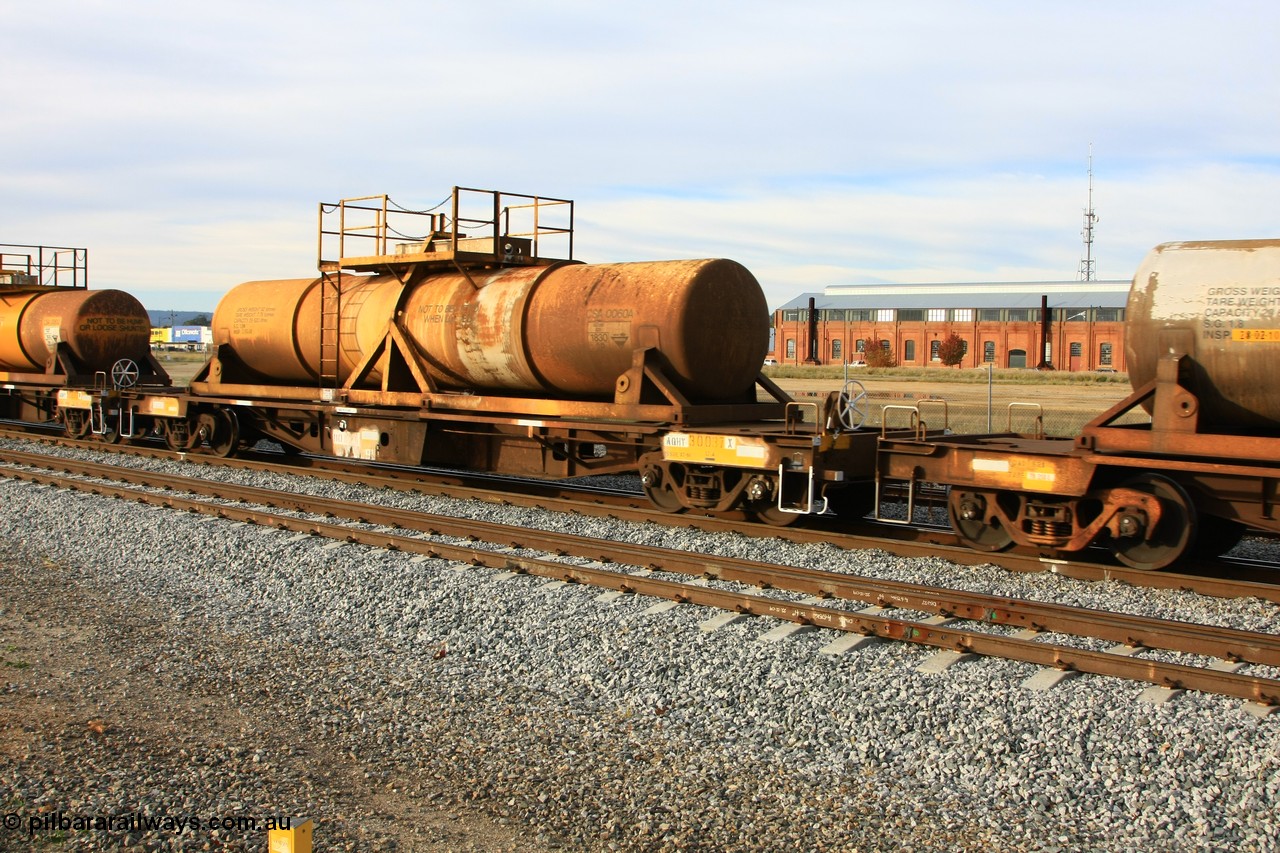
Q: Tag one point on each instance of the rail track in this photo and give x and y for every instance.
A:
(861, 607)
(1223, 577)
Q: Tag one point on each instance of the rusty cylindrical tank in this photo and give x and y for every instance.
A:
(1223, 299)
(100, 327)
(568, 329)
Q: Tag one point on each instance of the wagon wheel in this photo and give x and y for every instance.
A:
(974, 524)
(764, 505)
(851, 405)
(1157, 548)
(660, 491)
(220, 430)
(124, 373)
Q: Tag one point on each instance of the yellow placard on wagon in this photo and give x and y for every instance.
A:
(736, 450)
(1256, 335)
(71, 399)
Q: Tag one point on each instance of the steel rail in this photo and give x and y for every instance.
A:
(896, 539)
(1227, 643)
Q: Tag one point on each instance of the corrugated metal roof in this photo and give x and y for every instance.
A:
(1062, 294)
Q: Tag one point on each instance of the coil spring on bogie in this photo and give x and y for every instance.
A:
(703, 493)
(1048, 531)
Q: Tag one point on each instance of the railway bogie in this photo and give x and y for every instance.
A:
(777, 477)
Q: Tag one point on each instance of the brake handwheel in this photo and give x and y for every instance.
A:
(124, 373)
(851, 405)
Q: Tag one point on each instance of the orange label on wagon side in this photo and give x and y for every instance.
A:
(1256, 335)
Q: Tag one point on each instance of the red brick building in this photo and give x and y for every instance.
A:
(1000, 324)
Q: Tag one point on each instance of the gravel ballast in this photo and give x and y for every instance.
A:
(415, 704)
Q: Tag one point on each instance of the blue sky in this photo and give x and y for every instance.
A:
(187, 144)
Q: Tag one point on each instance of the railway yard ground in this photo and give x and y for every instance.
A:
(157, 664)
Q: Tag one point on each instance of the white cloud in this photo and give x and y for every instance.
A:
(187, 144)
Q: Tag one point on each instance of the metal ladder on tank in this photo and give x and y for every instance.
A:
(369, 222)
(331, 280)
(330, 330)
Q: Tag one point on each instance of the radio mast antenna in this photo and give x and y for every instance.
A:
(1087, 264)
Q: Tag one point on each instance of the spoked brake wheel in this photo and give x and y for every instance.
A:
(851, 405)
